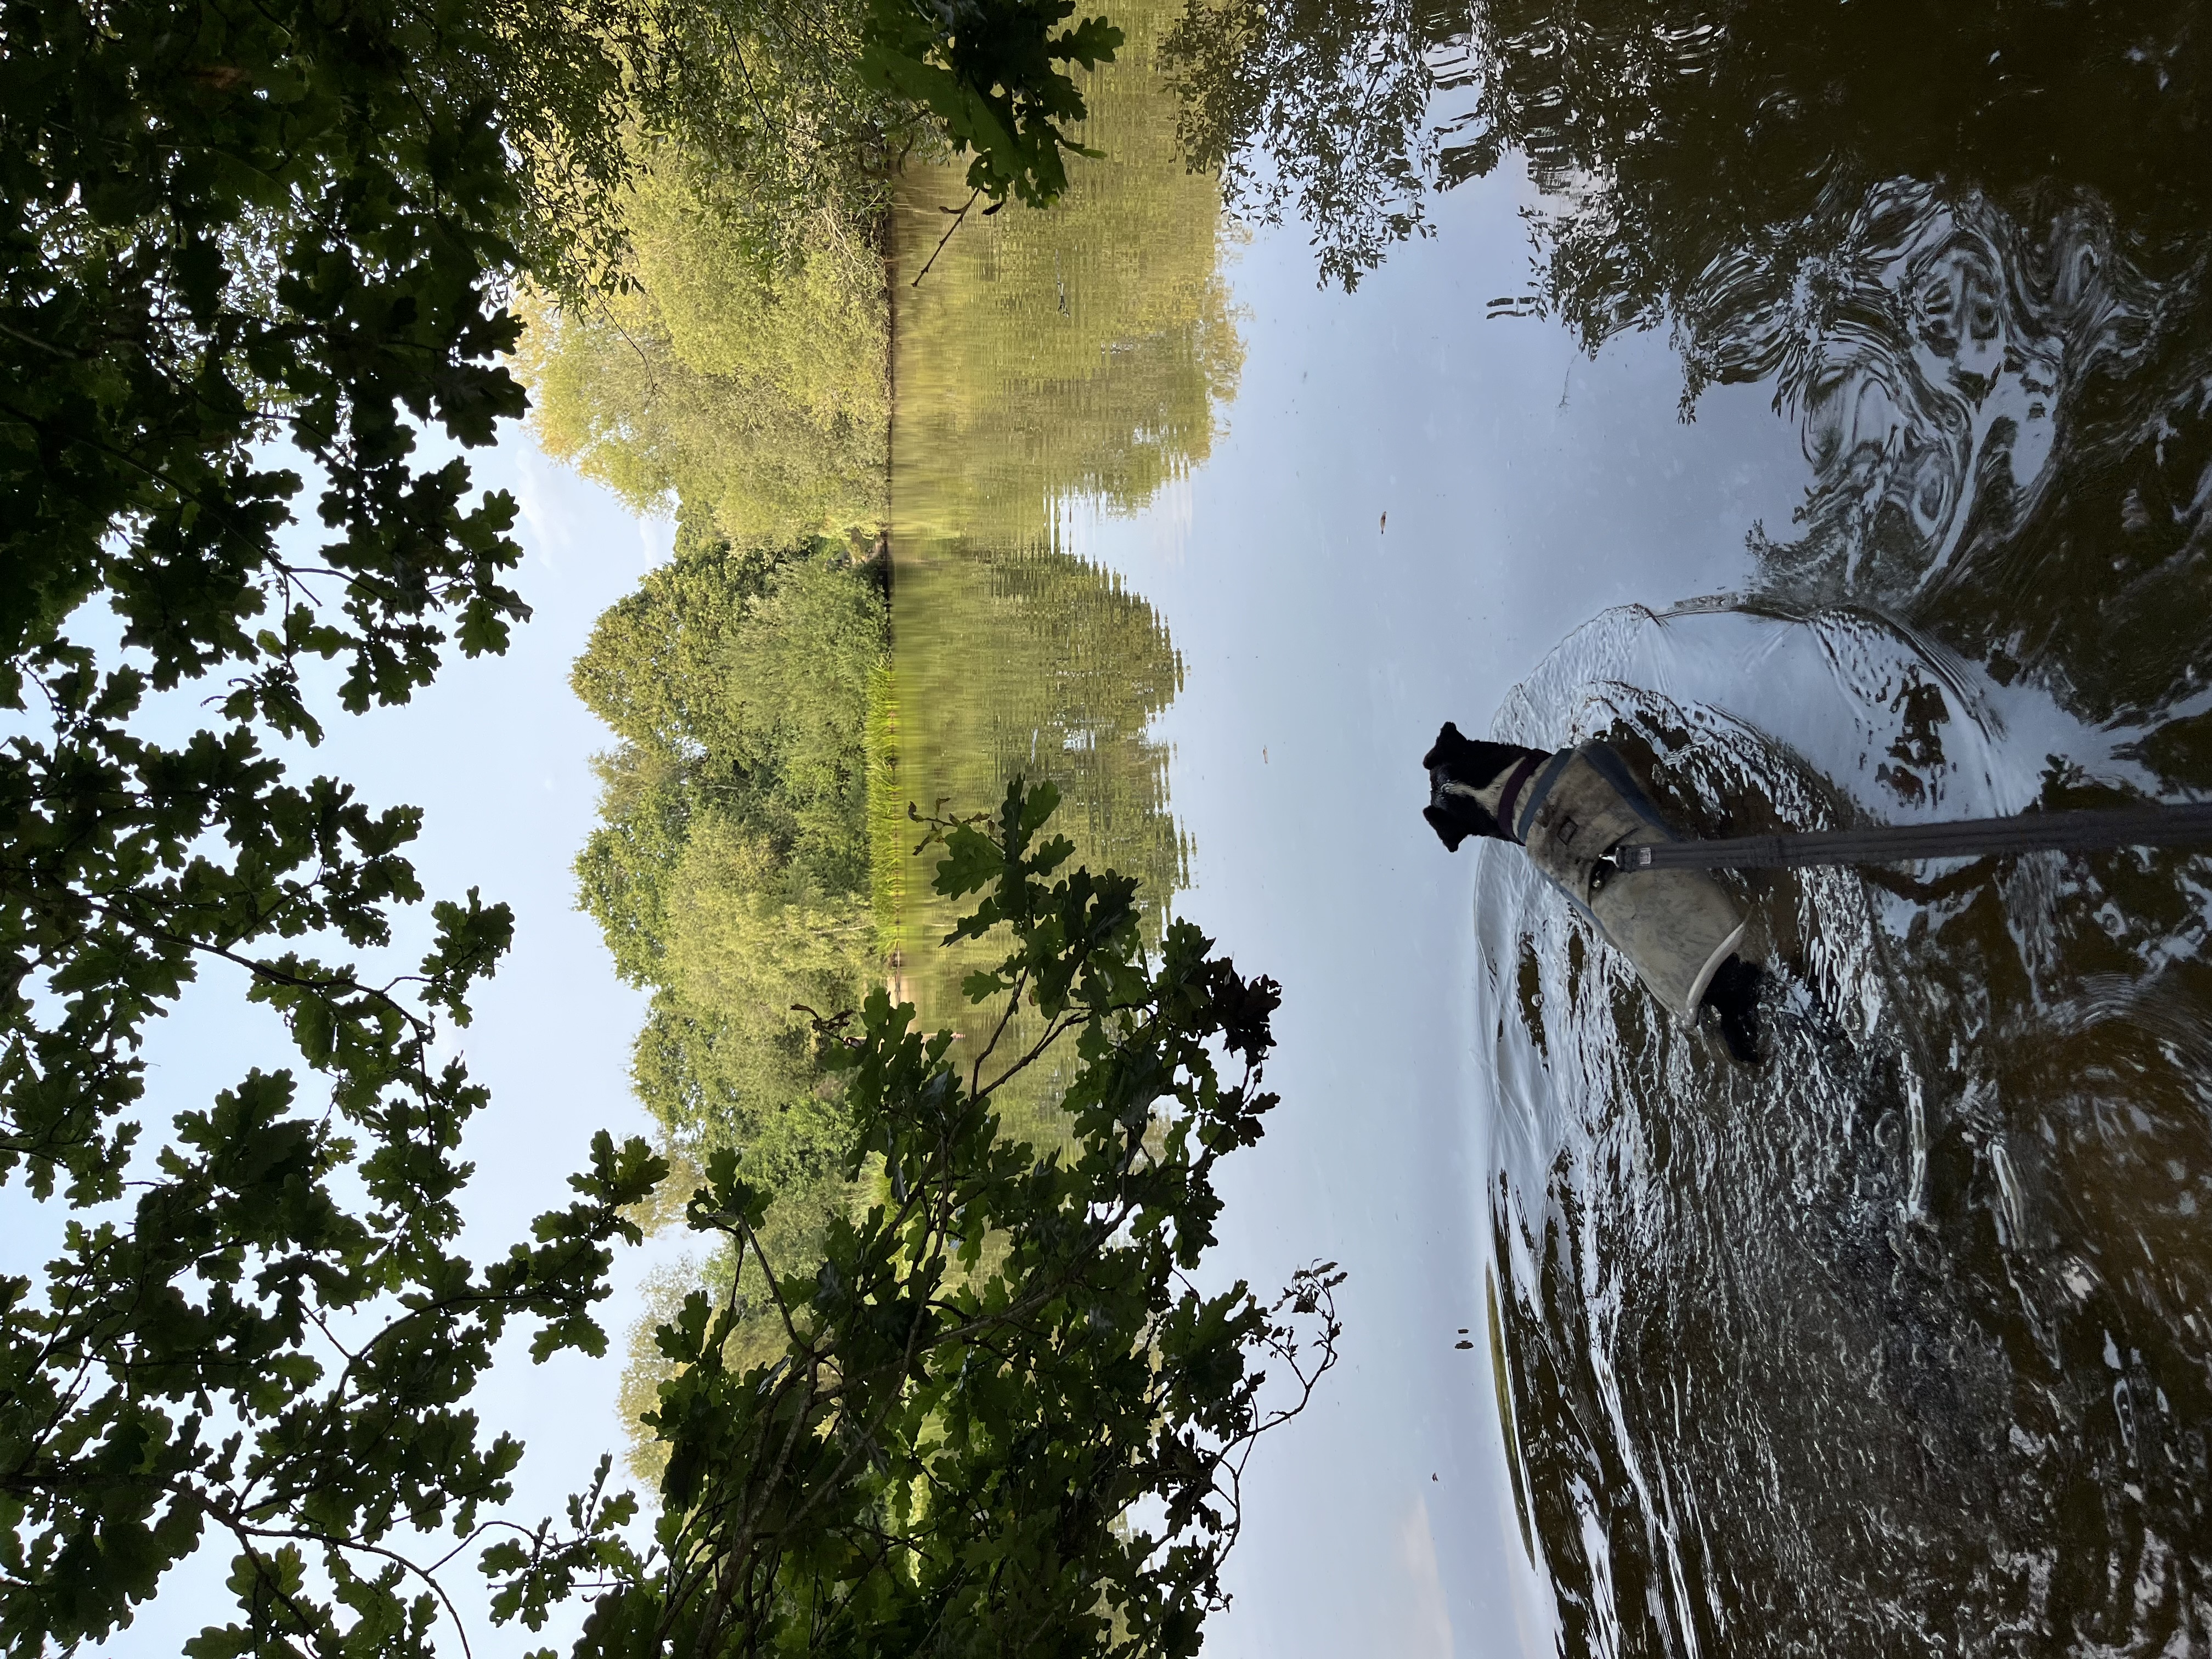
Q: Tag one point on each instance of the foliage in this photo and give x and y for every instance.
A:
(238, 223)
(731, 872)
(767, 100)
(740, 372)
(1081, 351)
(1004, 1420)
(887, 825)
(736, 356)
(1320, 103)
(1030, 660)
(737, 684)
(244, 240)
(986, 70)
(1052, 361)
(176, 1371)
(240, 230)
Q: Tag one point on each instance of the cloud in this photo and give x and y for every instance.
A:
(536, 486)
(1427, 1621)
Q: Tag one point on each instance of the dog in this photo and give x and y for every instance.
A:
(1499, 791)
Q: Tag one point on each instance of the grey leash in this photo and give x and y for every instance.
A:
(2188, 823)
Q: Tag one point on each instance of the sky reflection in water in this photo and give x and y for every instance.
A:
(1898, 1344)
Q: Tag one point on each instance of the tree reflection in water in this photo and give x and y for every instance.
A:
(1069, 361)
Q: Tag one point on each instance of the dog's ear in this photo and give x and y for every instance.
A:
(1447, 832)
(1449, 743)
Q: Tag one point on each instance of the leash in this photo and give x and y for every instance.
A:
(2188, 823)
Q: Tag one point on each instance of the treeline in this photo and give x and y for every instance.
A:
(731, 367)
(730, 873)
(754, 856)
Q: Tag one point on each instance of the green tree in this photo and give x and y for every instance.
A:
(246, 245)
(763, 108)
(1068, 669)
(1037, 663)
(246, 241)
(816, 102)
(1003, 1418)
(729, 871)
(1046, 359)
(1320, 104)
(741, 373)
(736, 355)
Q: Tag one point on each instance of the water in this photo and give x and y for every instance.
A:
(1043, 360)
(1901, 1342)
(1897, 1343)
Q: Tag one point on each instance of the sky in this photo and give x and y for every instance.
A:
(1410, 503)
(497, 752)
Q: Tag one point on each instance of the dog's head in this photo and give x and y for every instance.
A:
(1458, 768)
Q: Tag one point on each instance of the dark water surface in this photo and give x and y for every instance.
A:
(1903, 1343)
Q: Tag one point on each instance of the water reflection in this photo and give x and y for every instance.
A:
(1901, 1345)
(1927, 357)
(1898, 1344)
(1077, 357)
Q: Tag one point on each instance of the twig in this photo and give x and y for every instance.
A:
(957, 219)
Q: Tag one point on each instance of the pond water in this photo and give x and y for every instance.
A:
(1900, 1342)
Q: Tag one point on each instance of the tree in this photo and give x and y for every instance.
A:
(1319, 104)
(1080, 667)
(228, 224)
(739, 367)
(730, 871)
(1003, 1418)
(735, 355)
(245, 243)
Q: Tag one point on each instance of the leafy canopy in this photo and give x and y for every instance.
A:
(729, 871)
(744, 369)
(987, 70)
(245, 245)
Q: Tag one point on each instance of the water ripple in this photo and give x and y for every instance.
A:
(1897, 1344)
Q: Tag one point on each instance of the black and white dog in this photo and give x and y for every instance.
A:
(1478, 789)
